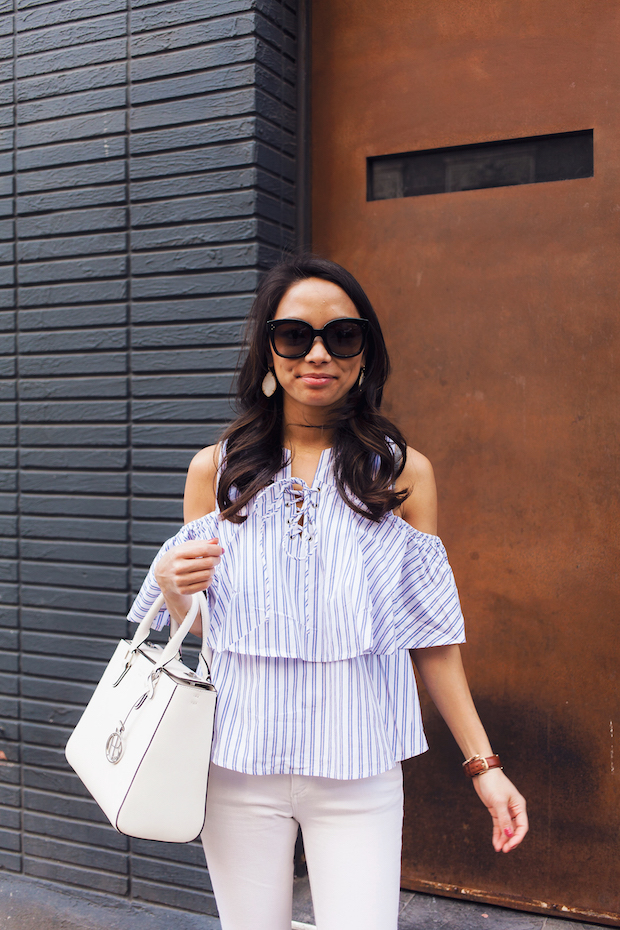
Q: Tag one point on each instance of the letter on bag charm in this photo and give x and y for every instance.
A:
(114, 747)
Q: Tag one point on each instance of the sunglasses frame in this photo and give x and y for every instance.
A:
(272, 326)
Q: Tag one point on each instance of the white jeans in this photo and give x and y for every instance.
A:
(352, 838)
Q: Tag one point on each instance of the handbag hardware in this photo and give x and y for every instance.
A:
(146, 733)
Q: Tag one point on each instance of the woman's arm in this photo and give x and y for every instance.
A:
(441, 670)
(188, 568)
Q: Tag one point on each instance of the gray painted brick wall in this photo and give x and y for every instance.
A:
(147, 176)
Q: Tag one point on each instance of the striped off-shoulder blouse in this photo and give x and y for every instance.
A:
(313, 609)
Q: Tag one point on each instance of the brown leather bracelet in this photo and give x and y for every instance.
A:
(478, 765)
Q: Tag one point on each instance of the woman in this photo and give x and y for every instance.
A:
(329, 571)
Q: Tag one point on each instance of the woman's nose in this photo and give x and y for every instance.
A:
(317, 351)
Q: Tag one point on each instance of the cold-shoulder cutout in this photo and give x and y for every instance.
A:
(419, 510)
(201, 482)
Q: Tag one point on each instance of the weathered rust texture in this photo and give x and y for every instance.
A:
(501, 314)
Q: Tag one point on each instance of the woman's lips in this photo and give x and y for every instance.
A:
(316, 380)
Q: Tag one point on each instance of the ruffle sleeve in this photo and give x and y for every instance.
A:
(205, 528)
(426, 606)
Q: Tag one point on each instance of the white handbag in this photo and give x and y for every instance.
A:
(143, 744)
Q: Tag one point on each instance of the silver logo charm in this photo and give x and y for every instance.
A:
(114, 747)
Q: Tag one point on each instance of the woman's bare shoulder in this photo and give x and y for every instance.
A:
(200, 484)
(418, 479)
(417, 466)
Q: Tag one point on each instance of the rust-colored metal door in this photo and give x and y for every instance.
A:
(501, 313)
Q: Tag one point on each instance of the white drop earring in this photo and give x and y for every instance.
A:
(361, 376)
(269, 384)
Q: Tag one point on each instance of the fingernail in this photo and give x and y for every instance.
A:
(508, 832)
(223, 550)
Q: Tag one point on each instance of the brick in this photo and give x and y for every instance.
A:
(10, 839)
(166, 15)
(84, 646)
(80, 576)
(197, 33)
(158, 484)
(194, 83)
(44, 712)
(235, 203)
(9, 817)
(68, 318)
(68, 11)
(166, 188)
(77, 624)
(77, 293)
(75, 127)
(103, 75)
(74, 528)
(191, 411)
(181, 260)
(197, 160)
(56, 37)
(79, 808)
(187, 898)
(72, 875)
(81, 855)
(60, 389)
(11, 861)
(204, 310)
(168, 336)
(95, 150)
(195, 437)
(74, 435)
(80, 832)
(182, 360)
(195, 234)
(70, 199)
(112, 363)
(210, 133)
(182, 385)
(72, 482)
(90, 53)
(48, 689)
(37, 249)
(80, 340)
(194, 109)
(10, 796)
(53, 667)
(188, 853)
(86, 102)
(61, 782)
(66, 458)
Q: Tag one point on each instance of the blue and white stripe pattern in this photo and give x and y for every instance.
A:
(312, 610)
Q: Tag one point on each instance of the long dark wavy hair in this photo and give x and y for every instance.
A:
(369, 451)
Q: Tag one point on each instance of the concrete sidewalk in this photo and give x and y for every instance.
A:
(428, 912)
(29, 904)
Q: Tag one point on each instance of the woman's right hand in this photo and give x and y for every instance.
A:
(184, 570)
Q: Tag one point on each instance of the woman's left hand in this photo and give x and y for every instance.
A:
(506, 806)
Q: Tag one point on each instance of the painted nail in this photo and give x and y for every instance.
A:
(508, 832)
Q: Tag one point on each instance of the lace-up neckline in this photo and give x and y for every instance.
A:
(300, 505)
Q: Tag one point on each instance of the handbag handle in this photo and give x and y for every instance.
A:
(206, 653)
(199, 602)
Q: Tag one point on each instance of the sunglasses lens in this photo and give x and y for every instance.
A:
(292, 339)
(344, 338)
